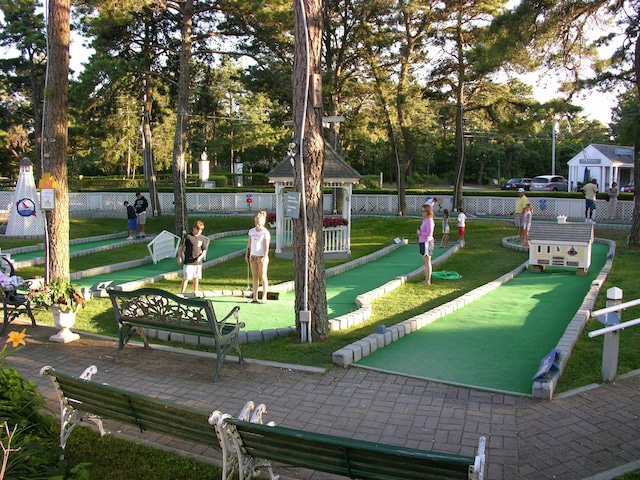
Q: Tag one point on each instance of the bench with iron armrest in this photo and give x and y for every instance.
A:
(14, 301)
(248, 446)
(83, 399)
(152, 308)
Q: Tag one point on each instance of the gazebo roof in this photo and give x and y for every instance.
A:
(336, 170)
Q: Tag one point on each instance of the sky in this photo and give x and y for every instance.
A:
(596, 105)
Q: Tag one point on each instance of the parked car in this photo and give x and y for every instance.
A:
(629, 188)
(516, 183)
(549, 183)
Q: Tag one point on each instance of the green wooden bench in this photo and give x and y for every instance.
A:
(248, 446)
(83, 399)
(152, 308)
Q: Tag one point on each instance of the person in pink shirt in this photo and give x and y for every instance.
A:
(425, 238)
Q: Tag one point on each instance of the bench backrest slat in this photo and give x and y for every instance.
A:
(144, 412)
(352, 458)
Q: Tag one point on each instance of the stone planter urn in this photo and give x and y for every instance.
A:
(63, 320)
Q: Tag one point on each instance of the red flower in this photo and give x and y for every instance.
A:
(334, 222)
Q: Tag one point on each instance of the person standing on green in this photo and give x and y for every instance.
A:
(141, 204)
(257, 256)
(518, 215)
(194, 248)
(612, 207)
(132, 220)
(590, 191)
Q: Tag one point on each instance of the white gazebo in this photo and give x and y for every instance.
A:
(338, 176)
(605, 163)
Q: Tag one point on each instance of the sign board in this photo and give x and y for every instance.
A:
(608, 319)
(292, 205)
(47, 199)
(590, 161)
(547, 366)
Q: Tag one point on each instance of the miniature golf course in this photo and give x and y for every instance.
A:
(496, 342)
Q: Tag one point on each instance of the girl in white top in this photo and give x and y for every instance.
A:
(527, 215)
(445, 228)
(257, 255)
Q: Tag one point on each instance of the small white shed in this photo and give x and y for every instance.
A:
(560, 245)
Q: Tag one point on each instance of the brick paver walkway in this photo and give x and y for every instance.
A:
(568, 438)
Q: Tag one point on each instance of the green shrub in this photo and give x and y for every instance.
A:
(34, 436)
(369, 181)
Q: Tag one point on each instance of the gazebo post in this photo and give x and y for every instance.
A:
(279, 217)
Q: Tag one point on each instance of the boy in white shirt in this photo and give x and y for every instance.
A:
(462, 218)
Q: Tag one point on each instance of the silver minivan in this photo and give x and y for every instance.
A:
(549, 183)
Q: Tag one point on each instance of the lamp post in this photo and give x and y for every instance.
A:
(554, 125)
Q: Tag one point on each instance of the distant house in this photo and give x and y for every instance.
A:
(561, 245)
(605, 163)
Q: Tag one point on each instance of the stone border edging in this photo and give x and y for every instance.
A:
(542, 390)
(545, 389)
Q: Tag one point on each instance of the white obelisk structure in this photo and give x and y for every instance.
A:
(25, 217)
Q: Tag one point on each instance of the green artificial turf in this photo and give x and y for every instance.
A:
(498, 341)
(342, 290)
(217, 248)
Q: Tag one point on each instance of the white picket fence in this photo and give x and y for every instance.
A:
(109, 204)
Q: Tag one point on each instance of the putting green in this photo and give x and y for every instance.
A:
(342, 290)
(218, 248)
(496, 342)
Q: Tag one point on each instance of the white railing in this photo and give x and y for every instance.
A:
(611, 345)
(336, 239)
(110, 204)
(614, 328)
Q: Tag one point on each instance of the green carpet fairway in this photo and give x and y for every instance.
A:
(73, 248)
(342, 290)
(218, 248)
(498, 341)
(257, 316)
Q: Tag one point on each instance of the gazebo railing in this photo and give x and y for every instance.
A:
(336, 239)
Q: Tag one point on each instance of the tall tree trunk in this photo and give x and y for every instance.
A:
(182, 123)
(147, 145)
(460, 153)
(55, 134)
(36, 107)
(634, 236)
(308, 251)
(147, 141)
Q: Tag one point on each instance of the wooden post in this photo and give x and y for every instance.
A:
(611, 344)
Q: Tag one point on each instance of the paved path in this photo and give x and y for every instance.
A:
(573, 437)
